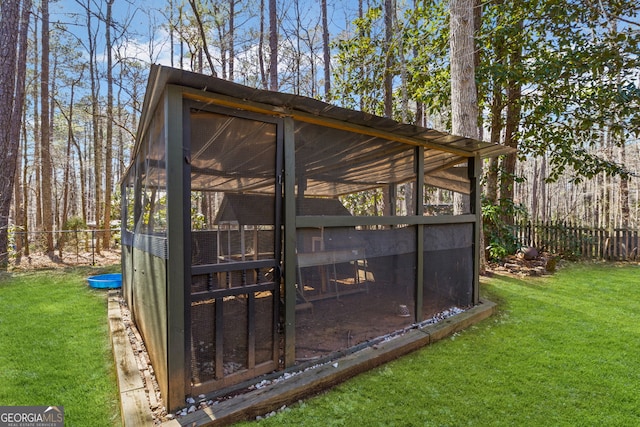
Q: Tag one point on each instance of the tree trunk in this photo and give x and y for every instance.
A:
(464, 102)
(19, 112)
(14, 22)
(19, 184)
(67, 166)
(97, 139)
(25, 194)
(361, 34)
(203, 36)
(326, 52)
(35, 94)
(108, 153)
(263, 75)
(624, 191)
(171, 31)
(273, 46)
(388, 75)
(231, 39)
(543, 188)
(298, 52)
(83, 179)
(18, 207)
(180, 17)
(514, 93)
(220, 24)
(496, 126)
(624, 180)
(52, 112)
(121, 119)
(534, 191)
(45, 137)
(606, 186)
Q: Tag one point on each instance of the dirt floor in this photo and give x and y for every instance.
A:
(337, 323)
(325, 324)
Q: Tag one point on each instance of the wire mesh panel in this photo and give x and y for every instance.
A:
(448, 267)
(144, 239)
(353, 283)
(440, 201)
(203, 341)
(353, 286)
(146, 193)
(234, 249)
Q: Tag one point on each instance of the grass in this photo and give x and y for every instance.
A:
(54, 346)
(562, 351)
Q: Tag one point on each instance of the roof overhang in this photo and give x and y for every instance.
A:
(442, 151)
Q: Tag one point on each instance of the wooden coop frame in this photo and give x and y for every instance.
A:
(294, 205)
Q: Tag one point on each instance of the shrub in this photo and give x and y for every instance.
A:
(499, 231)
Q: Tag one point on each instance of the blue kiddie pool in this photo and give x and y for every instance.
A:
(106, 281)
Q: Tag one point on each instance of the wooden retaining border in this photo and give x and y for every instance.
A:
(271, 397)
(134, 404)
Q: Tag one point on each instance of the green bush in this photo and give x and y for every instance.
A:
(499, 231)
(74, 223)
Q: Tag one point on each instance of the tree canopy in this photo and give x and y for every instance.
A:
(558, 80)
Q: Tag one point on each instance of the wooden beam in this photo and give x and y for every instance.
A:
(354, 221)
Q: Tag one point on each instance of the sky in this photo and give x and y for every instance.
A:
(149, 39)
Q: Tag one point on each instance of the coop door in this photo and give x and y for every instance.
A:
(236, 202)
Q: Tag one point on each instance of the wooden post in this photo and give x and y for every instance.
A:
(418, 193)
(178, 238)
(474, 171)
(290, 239)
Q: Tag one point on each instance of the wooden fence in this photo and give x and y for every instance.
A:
(577, 241)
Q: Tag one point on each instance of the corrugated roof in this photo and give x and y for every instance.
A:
(341, 151)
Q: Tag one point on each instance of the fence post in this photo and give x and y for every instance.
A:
(77, 245)
(93, 247)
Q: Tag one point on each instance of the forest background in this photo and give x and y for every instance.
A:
(558, 80)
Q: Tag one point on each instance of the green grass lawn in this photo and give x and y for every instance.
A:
(562, 351)
(54, 346)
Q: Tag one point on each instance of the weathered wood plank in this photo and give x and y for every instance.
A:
(126, 365)
(134, 406)
(153, 399)
(135, 409)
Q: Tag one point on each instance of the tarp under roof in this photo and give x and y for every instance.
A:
(340, 151)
